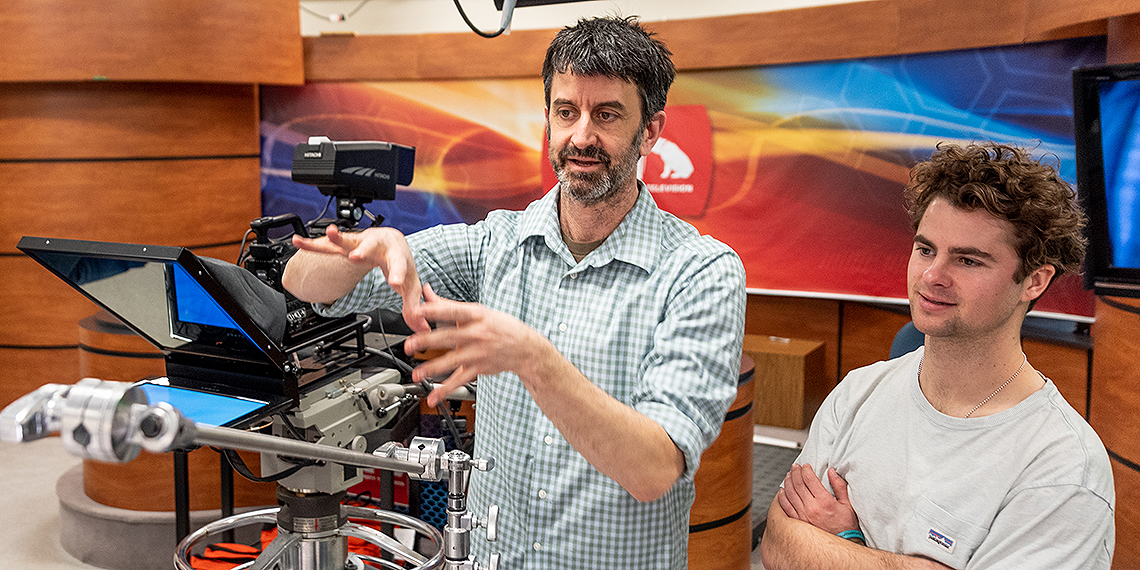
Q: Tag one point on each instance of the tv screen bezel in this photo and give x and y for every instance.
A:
(1100, 275)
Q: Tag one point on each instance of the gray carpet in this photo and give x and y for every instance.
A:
(769, 465)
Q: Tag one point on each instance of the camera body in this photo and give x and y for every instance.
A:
(266, 259)
(367, 170)
(353, 172)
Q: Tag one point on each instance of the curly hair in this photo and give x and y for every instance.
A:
(613, 47)
(1009, 184)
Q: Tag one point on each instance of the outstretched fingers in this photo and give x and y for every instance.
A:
(458, 378)
(318, 245)
(436, 309)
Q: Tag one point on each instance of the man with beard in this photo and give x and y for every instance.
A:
(959, 454)
(605, 333)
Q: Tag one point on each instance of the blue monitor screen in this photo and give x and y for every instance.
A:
(197, 317)
(202, 407)
(195, 305)
(1120, 139)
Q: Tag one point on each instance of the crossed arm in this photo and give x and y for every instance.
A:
(484, 341)
(803, 522)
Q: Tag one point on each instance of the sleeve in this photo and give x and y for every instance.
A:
(1056, 527)
(824, 431)
(447, 256)
(372, 292)
(689, 378)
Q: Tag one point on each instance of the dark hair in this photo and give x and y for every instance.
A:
(613, 47)
(1009, 184)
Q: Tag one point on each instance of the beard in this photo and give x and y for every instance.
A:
(590, 188)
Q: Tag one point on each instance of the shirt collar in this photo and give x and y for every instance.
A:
(636, 240)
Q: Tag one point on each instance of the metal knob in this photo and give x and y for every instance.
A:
(491, 523)
(493, 563)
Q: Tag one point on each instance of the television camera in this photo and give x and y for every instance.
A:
(353, 173)
(321, 399)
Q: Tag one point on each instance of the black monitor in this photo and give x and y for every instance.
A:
(1106, 116)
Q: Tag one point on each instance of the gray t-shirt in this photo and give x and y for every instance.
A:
(1029, 487)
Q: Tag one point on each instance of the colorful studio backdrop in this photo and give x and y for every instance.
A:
(799, 168)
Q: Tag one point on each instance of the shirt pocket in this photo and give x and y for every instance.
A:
(934, 532)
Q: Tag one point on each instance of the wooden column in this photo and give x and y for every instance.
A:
(720, 522)
(1114, 406)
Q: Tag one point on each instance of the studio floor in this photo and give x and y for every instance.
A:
(29, 472)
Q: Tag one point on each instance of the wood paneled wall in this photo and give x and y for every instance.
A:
(101, 120)
(196, 41)
(127, 162)
(795, 317)
(857, 334)
(128, 123)
(842, 31)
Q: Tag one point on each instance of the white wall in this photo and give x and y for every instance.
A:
(441, 16)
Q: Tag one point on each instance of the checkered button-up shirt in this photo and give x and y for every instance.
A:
(654, 316)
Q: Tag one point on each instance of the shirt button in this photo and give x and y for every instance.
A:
(548, 440)
(537, 546)
(573, 275)
(541, 494)
(562, 327)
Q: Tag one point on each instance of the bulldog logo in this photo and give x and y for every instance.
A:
(676, 163)
(678, 171)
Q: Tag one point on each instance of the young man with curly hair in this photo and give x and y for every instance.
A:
(960, 454)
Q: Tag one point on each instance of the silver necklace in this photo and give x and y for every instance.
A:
(1024, 360)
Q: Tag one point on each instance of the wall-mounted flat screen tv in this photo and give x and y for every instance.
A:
(1106, 116)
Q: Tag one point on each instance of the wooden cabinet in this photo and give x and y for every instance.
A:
(790, 380)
